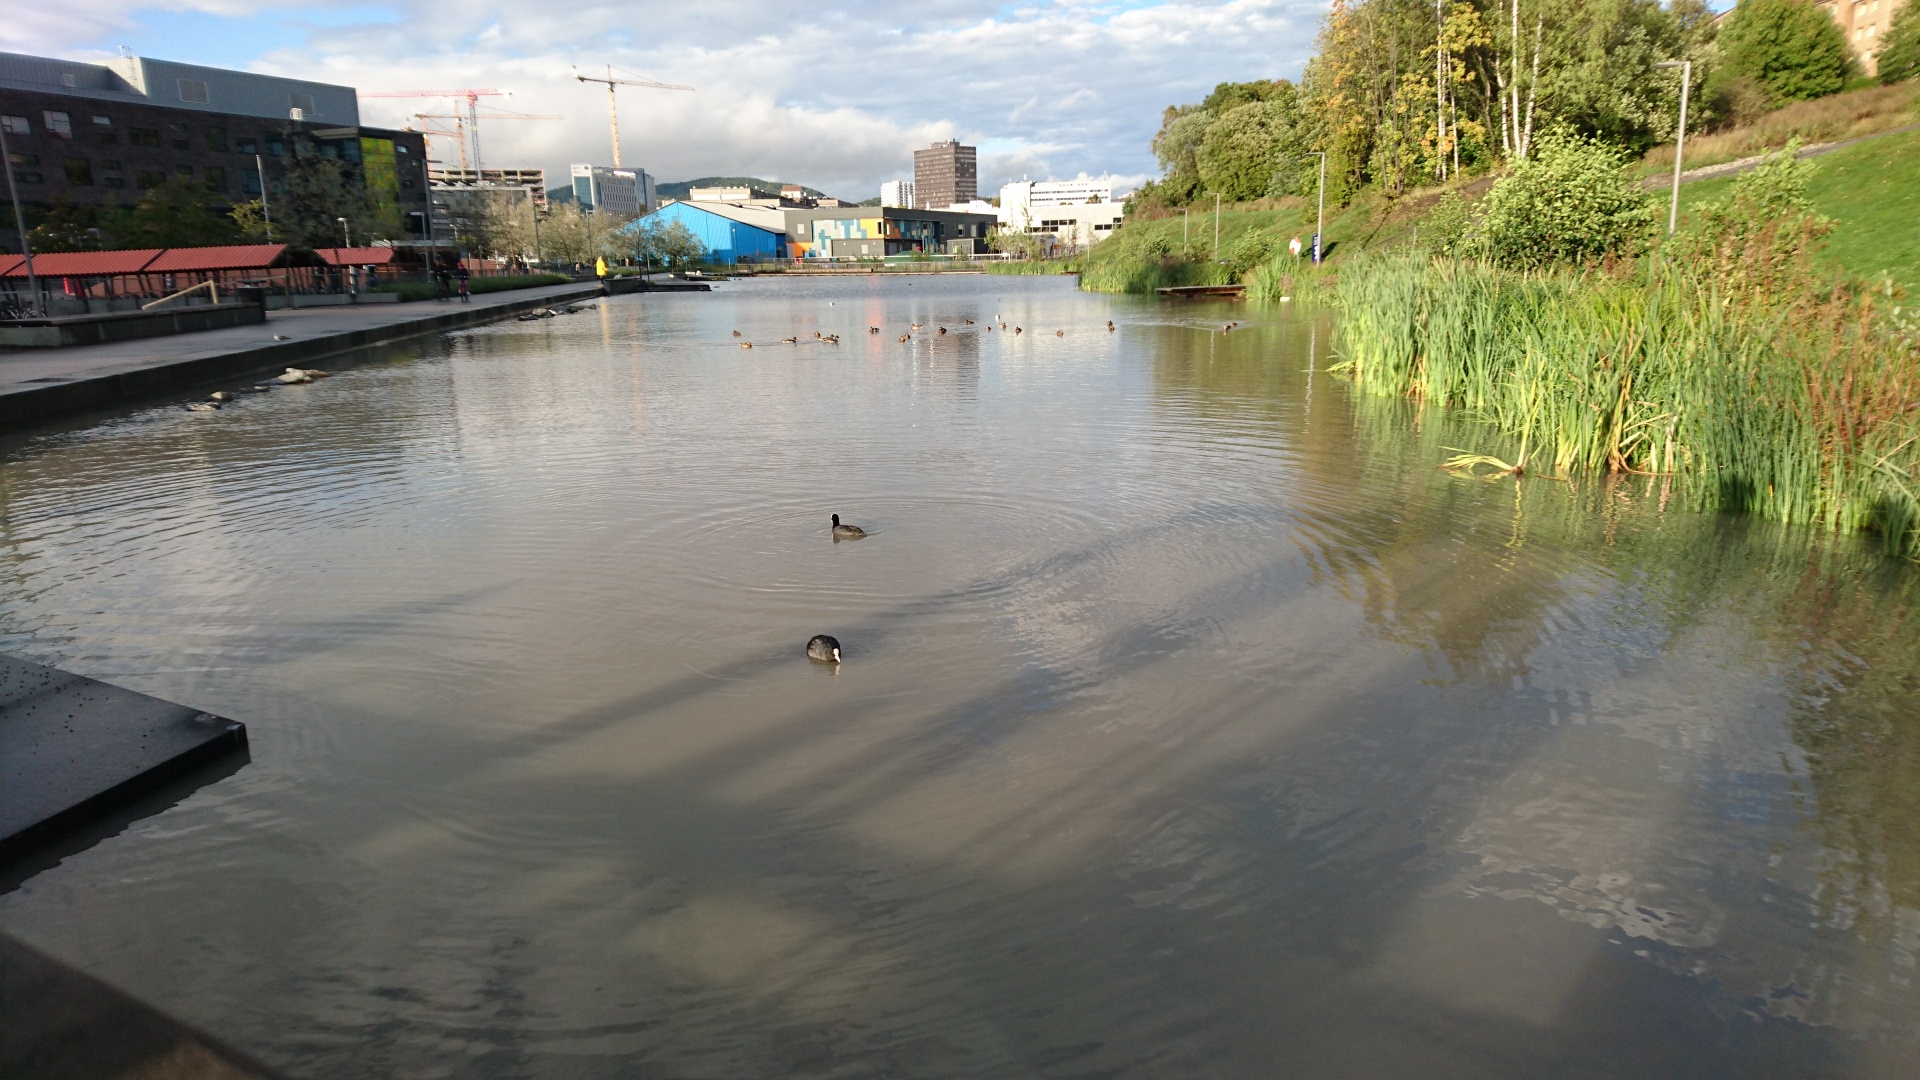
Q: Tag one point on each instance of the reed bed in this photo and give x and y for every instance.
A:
(1803, 413)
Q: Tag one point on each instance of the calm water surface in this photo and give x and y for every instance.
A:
(1192, 723)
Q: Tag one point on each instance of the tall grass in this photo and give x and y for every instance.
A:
(1034, 266)
(1802, 413)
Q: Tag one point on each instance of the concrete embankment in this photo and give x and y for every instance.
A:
(39, 384)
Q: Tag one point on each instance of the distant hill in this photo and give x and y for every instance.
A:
(681, 189)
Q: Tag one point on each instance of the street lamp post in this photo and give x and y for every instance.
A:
(266, 212)
(351, 273)
(20, 222)
(1320, 214)
(1216, 226)
(1680, 140)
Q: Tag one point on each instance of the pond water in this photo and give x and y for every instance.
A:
(1191, 722)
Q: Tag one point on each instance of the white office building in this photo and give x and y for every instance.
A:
(897, 193)
(616, 191)
(1078, 213)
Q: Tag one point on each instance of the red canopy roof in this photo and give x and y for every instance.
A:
(237, 257)
(81, 263)
(367, 256)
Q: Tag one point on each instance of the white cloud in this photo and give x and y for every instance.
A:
(836, 98)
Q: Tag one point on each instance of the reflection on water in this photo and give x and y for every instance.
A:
(1192, 723)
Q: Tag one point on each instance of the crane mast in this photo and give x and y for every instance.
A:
(613, 106)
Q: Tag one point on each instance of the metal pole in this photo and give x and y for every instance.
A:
(1680, 144)
(1320, 220)
(1184, 215)
(20, 222)
(1216, 226)
(266, 214)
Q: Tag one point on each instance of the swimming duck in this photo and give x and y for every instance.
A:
(846, 532)
(204, 406)
(824, 648)
(943, 330)
(873, 329)
(1109, 326)
(736, 333)
(789, 341)
(913, 326)
(1059, 333)
(221, 396)
(969, 322)
(746, 344)
(904, 338)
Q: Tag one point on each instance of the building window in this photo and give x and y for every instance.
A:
(80, 172)
(246, 146)
(275, 146)
(148, 178)
(59, 124)
(193, 90)
(102, 121)
(144, 136)
(302, 102)
(28, 177)
(105, 138)
(16, 125)
(110, 166)
(179, 133)
(184, 172)
(217, 140)
(216, 178)
(250, 181)
(23, 159)
(114, 181)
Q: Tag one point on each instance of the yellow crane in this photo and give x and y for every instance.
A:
(613, 111)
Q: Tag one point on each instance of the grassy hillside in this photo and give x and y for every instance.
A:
(1828, 119)
(1871, 191)
(1868, 188)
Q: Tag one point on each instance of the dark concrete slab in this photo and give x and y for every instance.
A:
(73, 749)
(67, 331)
(36, 384)
(59, 1024)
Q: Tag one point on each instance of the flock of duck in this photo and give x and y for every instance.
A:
(939, 331)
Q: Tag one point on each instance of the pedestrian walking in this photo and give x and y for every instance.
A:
(462, 274)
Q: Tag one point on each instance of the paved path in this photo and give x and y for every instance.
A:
(38, 383)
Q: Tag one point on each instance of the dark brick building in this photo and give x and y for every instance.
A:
(105, 133)
(945, 174)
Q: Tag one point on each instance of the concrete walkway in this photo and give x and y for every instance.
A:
(39, 383)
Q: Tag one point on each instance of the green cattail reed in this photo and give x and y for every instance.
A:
(1799, 412)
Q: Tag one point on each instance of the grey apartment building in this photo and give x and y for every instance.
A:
(104, 133)
(944, 174)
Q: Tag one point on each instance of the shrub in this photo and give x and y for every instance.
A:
(1573, 201)
(1791, 48)
(1759, 240)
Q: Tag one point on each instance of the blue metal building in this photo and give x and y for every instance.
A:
(731, 232)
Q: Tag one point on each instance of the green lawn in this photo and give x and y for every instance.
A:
(1872, 191)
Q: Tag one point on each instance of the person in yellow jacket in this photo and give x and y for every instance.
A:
(600, 267)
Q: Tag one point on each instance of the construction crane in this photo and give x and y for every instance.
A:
(459, 132)
(473, 108)
(613, 111)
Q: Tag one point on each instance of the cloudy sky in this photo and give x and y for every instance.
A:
(836, 96)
